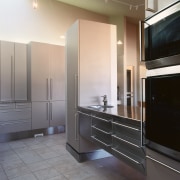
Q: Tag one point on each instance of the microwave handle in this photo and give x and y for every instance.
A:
(141, 39)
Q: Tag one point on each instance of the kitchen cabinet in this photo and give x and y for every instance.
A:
(48, 114)
(13, 71)
(161, 167)
(47, 85)
(15, 117)
(91, 66)
(47, 72)
(117, 135)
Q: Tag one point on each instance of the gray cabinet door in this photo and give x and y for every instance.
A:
(72, 87)
(57, 73)
(20, 76)
(40, 72)
(7, 71)
(57, 113)
(40, 115)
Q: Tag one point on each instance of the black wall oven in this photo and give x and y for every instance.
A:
(161, 45)
(162, 125)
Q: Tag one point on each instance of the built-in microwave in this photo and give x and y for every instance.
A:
(162, 116)
(160, 38)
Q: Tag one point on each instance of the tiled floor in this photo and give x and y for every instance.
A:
(46, 158)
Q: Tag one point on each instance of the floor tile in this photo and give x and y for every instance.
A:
(46, 157)
(38, 166)
(46, 153)
(10, 164)
(46, 173)
(30, 157)
(4, 147)
(25, 177)
(17, 144)
(60, 177)
(16, 172)
(77, 174)
(8, 156)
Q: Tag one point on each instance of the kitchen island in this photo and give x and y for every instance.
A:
(117, 130)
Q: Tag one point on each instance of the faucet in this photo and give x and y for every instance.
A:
(105, 100)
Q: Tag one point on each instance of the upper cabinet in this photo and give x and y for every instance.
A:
(13, 71)
(47, 72)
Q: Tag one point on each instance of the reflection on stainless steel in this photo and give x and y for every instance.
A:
(101, 106)
(132, 112)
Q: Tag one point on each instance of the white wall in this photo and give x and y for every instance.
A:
(19, 22)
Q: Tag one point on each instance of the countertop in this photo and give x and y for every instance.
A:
(130, 112)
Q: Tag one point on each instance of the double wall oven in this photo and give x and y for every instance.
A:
(162, 59)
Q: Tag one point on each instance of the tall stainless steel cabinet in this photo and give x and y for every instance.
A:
(91, 69)
(47, 85)
(13, 71)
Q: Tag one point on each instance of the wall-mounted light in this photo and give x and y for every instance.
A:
(35, 4)
(119, 42)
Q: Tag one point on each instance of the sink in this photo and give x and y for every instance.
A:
(100, 106)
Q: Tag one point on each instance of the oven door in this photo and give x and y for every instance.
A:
(162, 127)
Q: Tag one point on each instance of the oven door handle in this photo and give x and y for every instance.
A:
(142, 112)
(141, 39)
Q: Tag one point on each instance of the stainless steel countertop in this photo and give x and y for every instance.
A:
(130, 112)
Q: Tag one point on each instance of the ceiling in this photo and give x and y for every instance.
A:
(130, 8)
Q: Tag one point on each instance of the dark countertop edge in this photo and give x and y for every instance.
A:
(116, 115)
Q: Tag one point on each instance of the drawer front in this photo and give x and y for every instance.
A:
(5, 106)
(15, 126)
(129, 147)
(23, 105)
(130, 133)
(128, 158)
(15, 114)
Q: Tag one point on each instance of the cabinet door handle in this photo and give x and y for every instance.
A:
(101, 119)
(100, 141)
(12, 78)
(75, 91)
(141, 40)
(47, 89)
(142, 112)
(125, 141)
(119, 124)
(101, 130)
(131, 159)
(51, 88)
(47, 108)
(51, 113)
(76, 127)
(84, 113)
(149, 157)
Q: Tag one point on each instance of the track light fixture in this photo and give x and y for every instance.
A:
(35, 4)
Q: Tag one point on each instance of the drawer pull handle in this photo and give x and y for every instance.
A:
(119, 124)
(100, 130)
(83, 113)
(125, 141)
(126, 156)
(101, 119)
(100, 141)
(162, 164)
